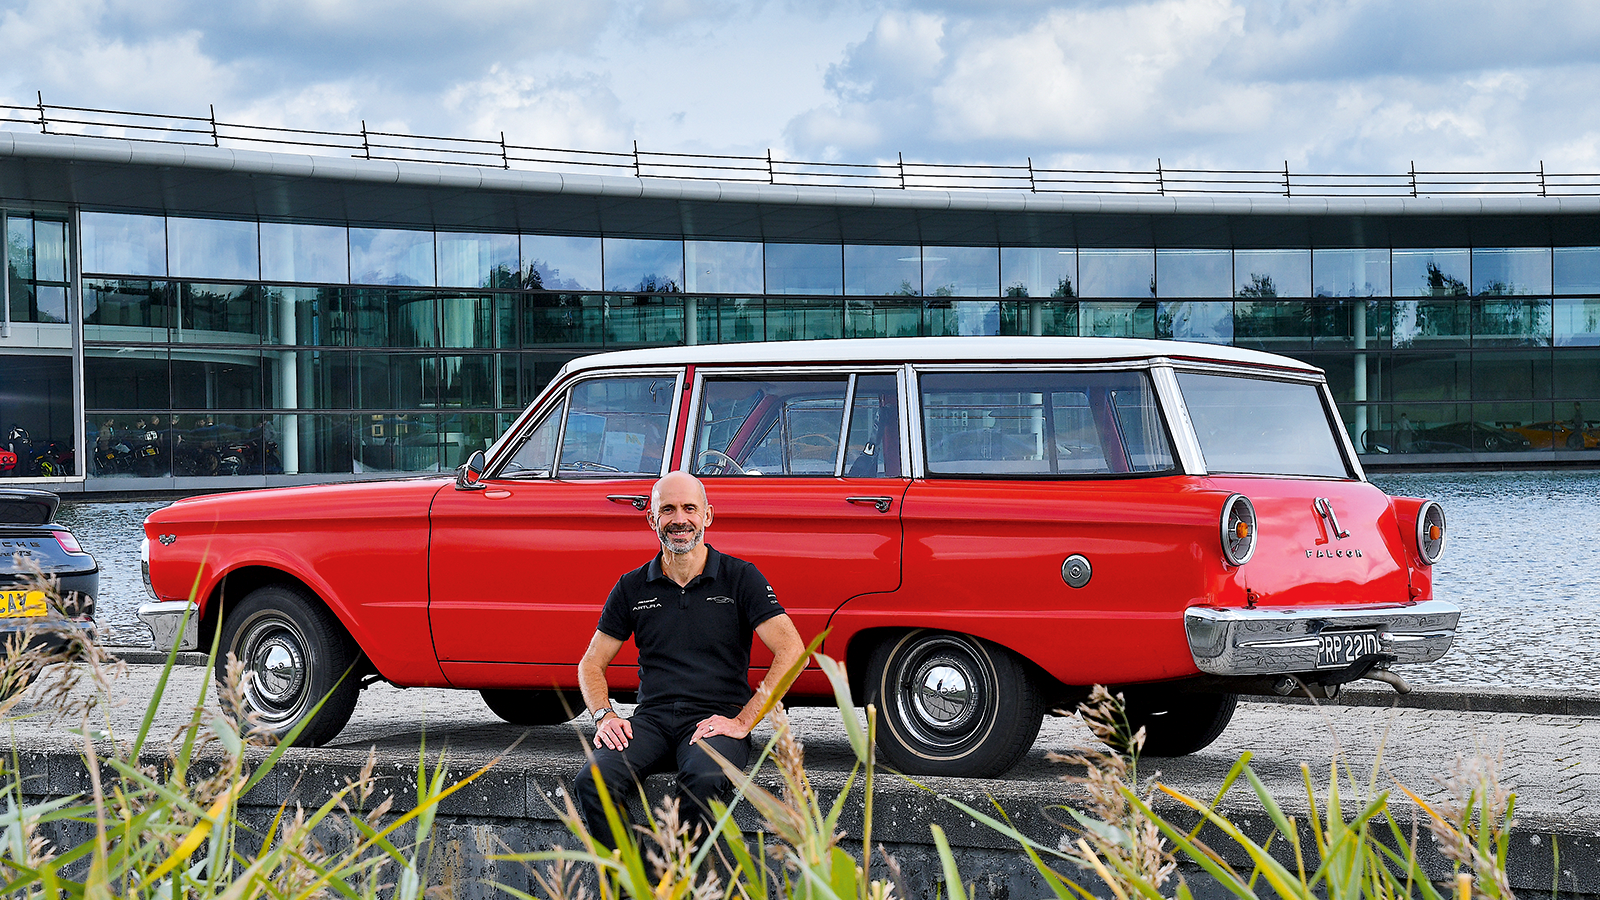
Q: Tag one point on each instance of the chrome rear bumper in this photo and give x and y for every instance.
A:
(165, 617)
(1284, 640)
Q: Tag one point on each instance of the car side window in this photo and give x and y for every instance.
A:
(873, 448)
(1043, 424)
(770, 426)
(538, 453)
(617, 426)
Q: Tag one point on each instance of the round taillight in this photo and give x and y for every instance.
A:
(1238, 529)
(1430, 531)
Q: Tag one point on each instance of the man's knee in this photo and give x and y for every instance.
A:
(702, 777)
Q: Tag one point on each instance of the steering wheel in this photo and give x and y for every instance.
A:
(715, 462)
(587, 465)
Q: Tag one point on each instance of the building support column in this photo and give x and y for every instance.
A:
(691, 320)
(1036, 316)
(288, 389)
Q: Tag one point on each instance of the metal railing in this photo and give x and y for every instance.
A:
(899, 174)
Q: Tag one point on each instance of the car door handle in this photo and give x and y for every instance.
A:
(639, 501)
(882, 503)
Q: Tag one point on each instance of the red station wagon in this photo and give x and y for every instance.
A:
(985, 527)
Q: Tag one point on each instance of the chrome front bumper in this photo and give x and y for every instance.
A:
(1284, 640)
(165, 619)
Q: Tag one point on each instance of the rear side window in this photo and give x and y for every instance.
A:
(1064, 424)
(1257, 427)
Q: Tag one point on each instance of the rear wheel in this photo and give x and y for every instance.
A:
(1177, 723)
(952, 704)
(533, 707)
(295, 653)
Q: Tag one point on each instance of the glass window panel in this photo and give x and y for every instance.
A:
(960, 271)
(1272, 325)
(805, 269)
(539, 369)
(617, 426)
(37, 396)
(1196, 320)
(305, 253)
(128, 310)
(1431, 376)
(468, 381)
(126, 379)
(1522, 270)
(882, 271)
(1113, 319)
(1039, 316)
(1576, 374)
(1272, 273)
(219, 314)
(753, 426)
(325, 442)
(1577, 321)
(467, 321)
(510, 386)
(50, 250)
(323, 380)
(1577, 270)
(226, 379)
(557, 263)
(884, 318)
(394, 319)
(1350, 273)
(643, 265)
(537, 453)
(873, 448)
(1038, 271)
(1431, 273)
(1194, 273)
(730, 320)
(396, 381)
(1511, 375)
(1506, 321)
(309, 316)
(120, 244)
(463, 433)
(507, 313)
(1421, 324)
(961, 317)
(1117, 273)
(49, 305)
(1352, 324)
(19, 249)
(391, 256)
(723, 267)
(647, 319)
(1260, 427)
(406, 442)
(1042, 423)
(478, 260)
(212, 248)
(572, 319)
(804, 319)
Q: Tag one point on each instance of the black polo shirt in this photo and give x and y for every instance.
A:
(694, 640)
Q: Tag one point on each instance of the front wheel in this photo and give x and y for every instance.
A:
(952, 704)
(550, 707)
(1177, 723)
(295, 653)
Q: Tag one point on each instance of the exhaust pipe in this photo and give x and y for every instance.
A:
(1391, 679)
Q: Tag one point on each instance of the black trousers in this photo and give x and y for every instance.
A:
(660, 744)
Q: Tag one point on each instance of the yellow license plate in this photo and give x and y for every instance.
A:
(29, 604)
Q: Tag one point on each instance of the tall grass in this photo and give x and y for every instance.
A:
(163, 820)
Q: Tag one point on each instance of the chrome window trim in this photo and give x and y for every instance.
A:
(1186, 444)
(844, 426)
(1347, 446)
(903, 382)
(912, 430)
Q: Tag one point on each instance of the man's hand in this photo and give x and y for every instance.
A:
(719, 725)
(614, 732)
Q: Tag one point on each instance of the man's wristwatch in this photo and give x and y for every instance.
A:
(601, 713)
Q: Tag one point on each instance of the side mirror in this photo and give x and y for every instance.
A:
(469, 477)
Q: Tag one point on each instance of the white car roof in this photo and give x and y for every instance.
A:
(938, 349)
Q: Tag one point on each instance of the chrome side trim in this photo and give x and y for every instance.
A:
(1179, 425)
(1283, 640)
(163, 618)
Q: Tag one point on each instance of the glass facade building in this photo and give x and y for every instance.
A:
(187, 346)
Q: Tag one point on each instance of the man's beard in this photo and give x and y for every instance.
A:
(679, 549)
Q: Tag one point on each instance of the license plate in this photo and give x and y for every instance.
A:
(1341, 648)
(150, 451)
(23, 604)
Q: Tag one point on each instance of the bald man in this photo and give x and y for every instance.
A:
(691, 611)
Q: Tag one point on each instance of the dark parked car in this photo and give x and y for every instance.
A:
(30, 538)
(1460, 437)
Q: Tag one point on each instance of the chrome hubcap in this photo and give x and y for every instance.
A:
(942, 695)
(278, 670)
(946, 691)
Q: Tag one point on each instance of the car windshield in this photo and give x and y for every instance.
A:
(1258, 427)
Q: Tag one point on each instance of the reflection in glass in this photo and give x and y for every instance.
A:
(1511, 375)
(571, 319)
(1510, 322)
(121, 244)
(557, 263)
(1272, 325)
(1353, 324)
(643, 265)
(128, 310)
(323, 380)
(1209, 322)
(1350, 273)
(405, 442)
(468, 381)
(1117, 273)
(395, 380)
(1117, 319)
(467, 321)
(884, 318)
(873, 447)
(644, 319)
(1272, 273)
(47, 304)
(1430, 376)
(722, 267)
(960, 272)
(224, 380)
(1039, 316)
(1038, 271)
(1577, 270)
(391, 256)
(805, 269)
(309, 316)
(305, 253)
(1194, 273)
(1577, 322)
(50, 250)
(730, 320)
(751, 426)
(219, 313)
(462, 433)
(617, 426)
(871, 270)
(394, 318)
(1443, 322)
(39, 398)
(1431, 273)
(1576, 373)
(324, 442)
(19, 249)
(126, 379)
(478, 260)
(212, 248)
(804, 319)
(962, 317)
(1522, 270)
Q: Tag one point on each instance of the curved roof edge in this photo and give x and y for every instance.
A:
(113, 151)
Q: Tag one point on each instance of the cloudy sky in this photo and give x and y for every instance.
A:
(1326, 85)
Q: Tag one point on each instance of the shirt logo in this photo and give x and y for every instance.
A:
(720, 599)
(651, 603)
